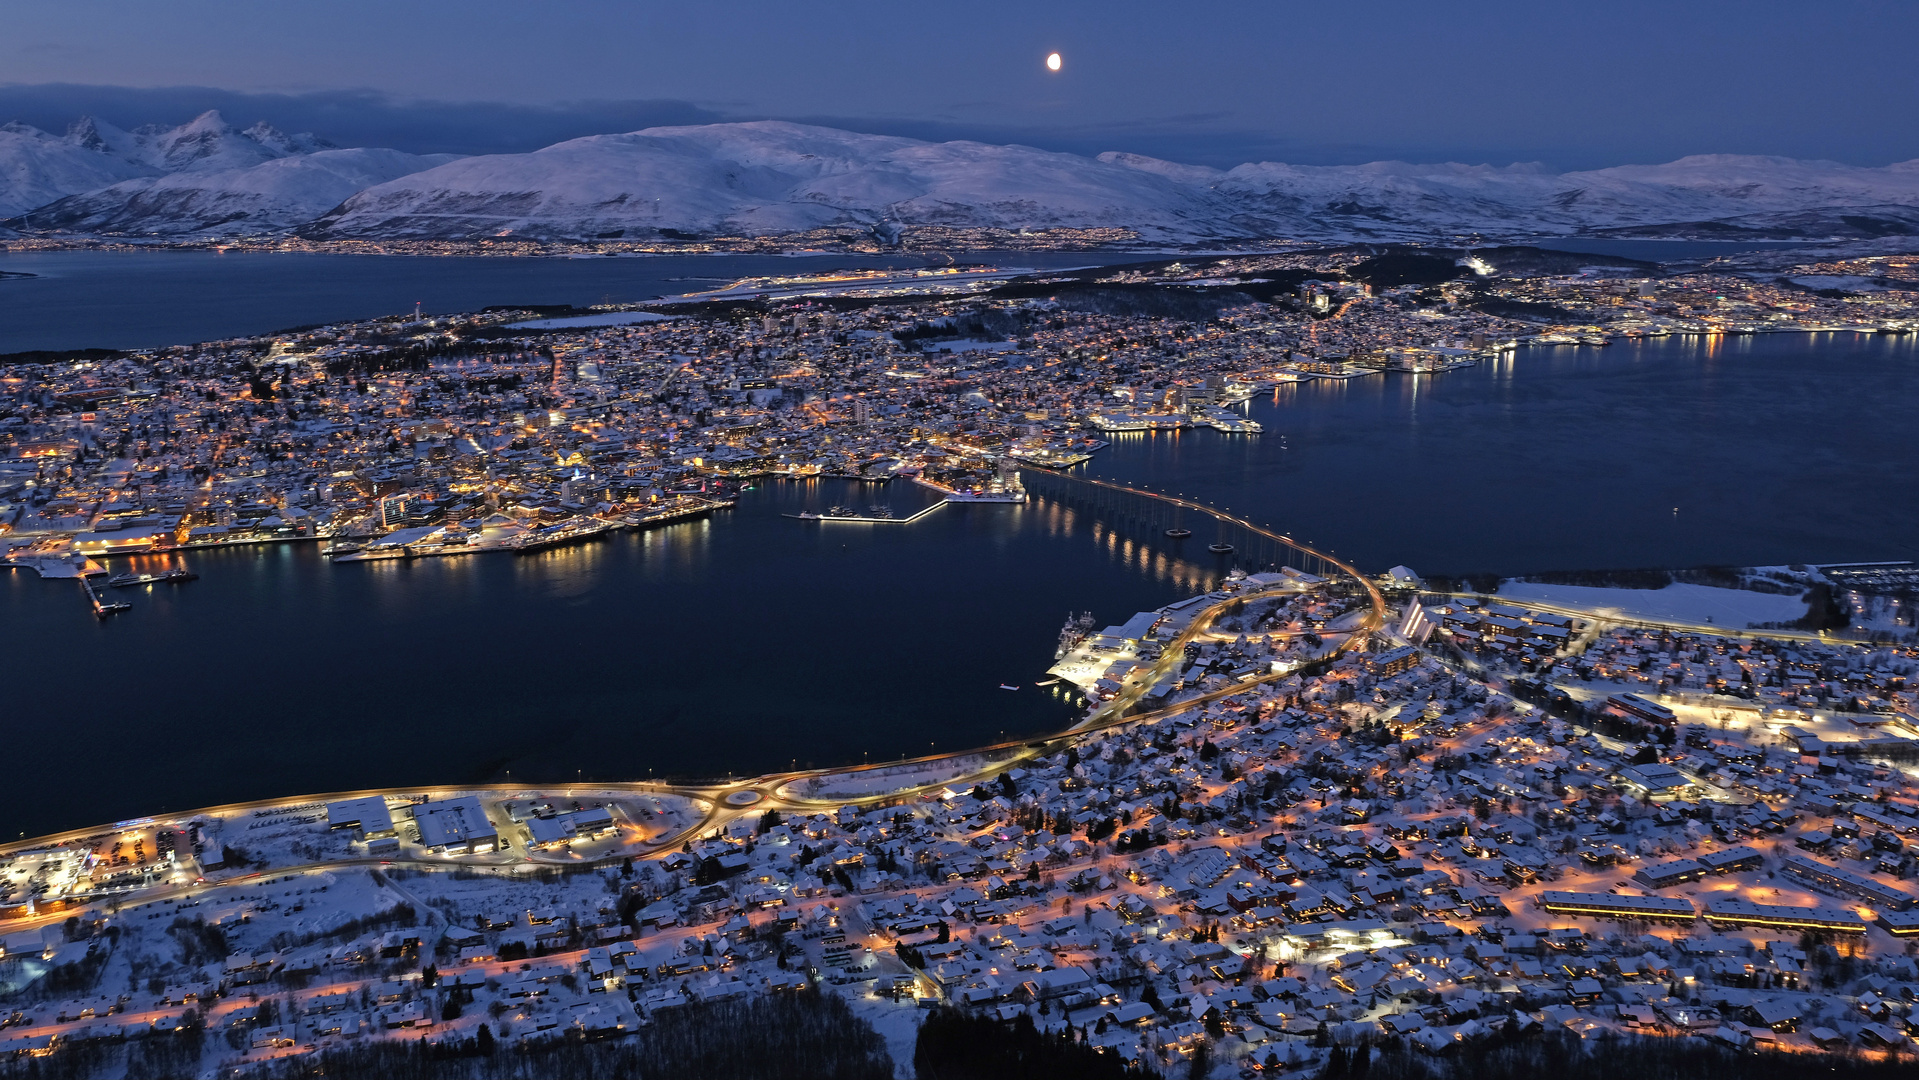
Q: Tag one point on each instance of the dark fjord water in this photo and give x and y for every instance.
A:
(750, 641)
(1672, 452)
(141, 299)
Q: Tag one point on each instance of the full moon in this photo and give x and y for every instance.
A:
(1052, 62)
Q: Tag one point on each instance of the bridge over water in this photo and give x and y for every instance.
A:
(1151, 513)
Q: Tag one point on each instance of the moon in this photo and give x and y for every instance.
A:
(1052, 62)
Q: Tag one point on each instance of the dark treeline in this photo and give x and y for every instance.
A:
(800, 1036)
(959, 1046)
(59, 356)
(420, 356)
(814, 1036)
(1396, 268)
(169, 1058)
(1140, 300)
(1566, 1057)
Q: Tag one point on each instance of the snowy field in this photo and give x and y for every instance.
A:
(1734, 608)
(871, 782)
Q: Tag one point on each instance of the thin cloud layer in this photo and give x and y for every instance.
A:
(349, 117)
(370, 118)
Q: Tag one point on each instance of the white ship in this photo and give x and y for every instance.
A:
(1075, 631)
(1227, 421)
(1122, 421)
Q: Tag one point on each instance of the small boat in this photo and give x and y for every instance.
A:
(1003, 686)
(1220, 549)
(1179, 534)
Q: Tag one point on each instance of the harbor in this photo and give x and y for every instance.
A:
(879, 515)
(102, 607)
(501, 533)
(1004, 488)
(122, 581)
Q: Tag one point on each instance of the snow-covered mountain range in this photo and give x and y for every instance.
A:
(203, 178)
(772, 178)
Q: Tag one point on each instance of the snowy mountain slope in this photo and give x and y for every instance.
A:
(1532, 198)
(207, 142)
(275, 195)
(772, 178)
(767, 178)
(37, 168)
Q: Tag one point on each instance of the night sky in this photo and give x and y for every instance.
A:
(1573, 85)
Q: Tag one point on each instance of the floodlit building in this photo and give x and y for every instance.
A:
(1640, 708)
(1727, 914)
(456, 826)
(1614, 906)
(562, 829)
(1667, 874)
(1837, 880)
(368, 816)
(1653, 779)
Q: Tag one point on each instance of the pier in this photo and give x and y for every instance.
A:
(862, 519)
(102, 607)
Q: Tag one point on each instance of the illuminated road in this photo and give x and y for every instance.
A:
(753, 797)
(1114, 713)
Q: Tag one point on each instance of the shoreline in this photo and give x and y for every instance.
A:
(1118, 711)
(813, 244)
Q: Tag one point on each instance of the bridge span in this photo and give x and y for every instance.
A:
(1254, 547)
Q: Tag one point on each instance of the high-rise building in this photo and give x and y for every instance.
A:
(393, 512)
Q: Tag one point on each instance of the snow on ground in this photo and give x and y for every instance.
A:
(1678, 603)
(880, 781)
(575, 322)
(1843, 282)
(898, 1022)
(1887, 614)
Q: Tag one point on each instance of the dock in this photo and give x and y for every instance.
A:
(861, 519)
(422, 543)
(102, 607)
(557, 535)
(641, 519)
(122, 581)
(56, 566)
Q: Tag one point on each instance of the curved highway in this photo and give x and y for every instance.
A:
(753, 797)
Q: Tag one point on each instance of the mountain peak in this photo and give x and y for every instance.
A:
(1172, 170)
(279, 141)
(208, 142)
(211, 120)
(769, 178)
(94, 134)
